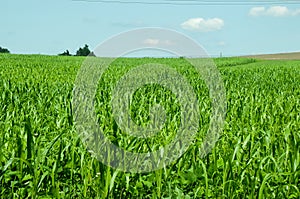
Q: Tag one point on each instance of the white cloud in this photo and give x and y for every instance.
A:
(202, 25)
(273, 11)
(257, 11)
(151, 42)
(156, 42)
(278, 11)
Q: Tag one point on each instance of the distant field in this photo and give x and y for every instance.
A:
(280, 56)
(257, 156)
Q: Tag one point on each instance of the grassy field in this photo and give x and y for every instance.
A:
(257, 156)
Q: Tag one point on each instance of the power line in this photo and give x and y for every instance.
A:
(194, 2)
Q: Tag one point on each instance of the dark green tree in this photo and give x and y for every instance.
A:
(66, 53)
(85, 51)
(4, 50)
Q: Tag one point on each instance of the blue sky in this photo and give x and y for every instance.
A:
(50, 27)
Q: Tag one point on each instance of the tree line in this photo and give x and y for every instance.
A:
(84, 51)
(4, 50)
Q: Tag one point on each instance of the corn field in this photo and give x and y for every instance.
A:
(42, 156)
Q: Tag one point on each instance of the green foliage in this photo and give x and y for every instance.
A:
(41, 156)
(4, 50)
(85, 51)
(65, 53)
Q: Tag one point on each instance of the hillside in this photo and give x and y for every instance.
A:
(279, 56)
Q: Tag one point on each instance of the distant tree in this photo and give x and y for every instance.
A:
(4, 50)
(85, 51)
(66, 53)
(92, 54)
